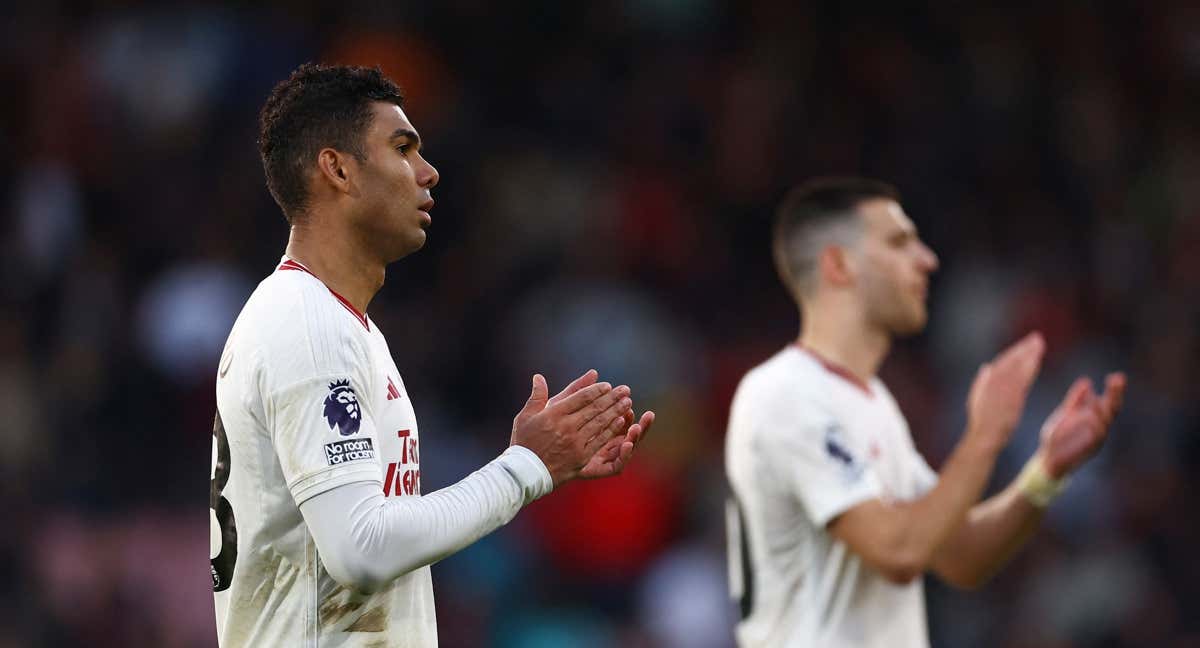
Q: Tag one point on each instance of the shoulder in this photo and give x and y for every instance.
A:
(786, 377)
(296, 327)
(783, 394)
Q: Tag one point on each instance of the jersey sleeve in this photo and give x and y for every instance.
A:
(320, 419)
(808, 448)
(924, 477)
(365, 540)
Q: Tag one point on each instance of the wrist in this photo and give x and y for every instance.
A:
(1036, 483)
(530, 472)
(1054, 469)
(980, 441)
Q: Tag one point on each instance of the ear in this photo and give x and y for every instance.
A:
(334, 169)
(835, 266)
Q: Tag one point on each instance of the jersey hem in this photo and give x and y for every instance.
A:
(326, 479)
(868, 489)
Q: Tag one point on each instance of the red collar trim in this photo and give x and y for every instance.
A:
(292, 264)
(838, 370)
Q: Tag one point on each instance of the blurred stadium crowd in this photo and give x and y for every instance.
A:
(609, 171)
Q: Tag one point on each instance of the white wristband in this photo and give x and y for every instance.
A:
(1037, 485)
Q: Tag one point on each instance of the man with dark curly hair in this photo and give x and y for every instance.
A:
(320, 533)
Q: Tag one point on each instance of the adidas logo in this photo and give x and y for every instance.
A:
(393, 393)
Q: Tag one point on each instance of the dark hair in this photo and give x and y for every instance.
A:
(806, 220)
(317, 106)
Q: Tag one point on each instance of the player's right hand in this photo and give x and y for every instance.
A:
(997, 396)
(565, 432)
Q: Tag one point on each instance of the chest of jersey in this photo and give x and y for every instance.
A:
(880, 438)
(400, 443)
(396, 424)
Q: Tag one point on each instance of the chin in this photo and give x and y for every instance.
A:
(418, 240)
(912, 325)
(403, 248)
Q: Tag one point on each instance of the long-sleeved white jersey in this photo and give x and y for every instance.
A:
(320, 534)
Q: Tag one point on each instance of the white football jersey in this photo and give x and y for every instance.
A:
(308, 399)
(806, 442)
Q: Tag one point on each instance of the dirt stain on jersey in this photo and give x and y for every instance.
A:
(340, 603)
(375, 620)
(274, 575)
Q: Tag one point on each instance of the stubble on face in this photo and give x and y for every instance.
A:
(389, 221)
(895, 269)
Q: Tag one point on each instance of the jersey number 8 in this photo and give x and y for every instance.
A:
(222, 546)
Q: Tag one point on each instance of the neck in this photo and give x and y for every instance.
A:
(843, 337)
(335, 258)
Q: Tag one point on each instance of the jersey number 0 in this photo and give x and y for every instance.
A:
(741, 570)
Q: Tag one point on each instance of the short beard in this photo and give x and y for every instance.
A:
(898, 322)
(906, 327)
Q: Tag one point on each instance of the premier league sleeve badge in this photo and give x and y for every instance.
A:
(342, 410)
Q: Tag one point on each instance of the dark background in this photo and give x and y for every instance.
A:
(608, 170)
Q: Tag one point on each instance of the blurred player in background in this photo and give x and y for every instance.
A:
(320, 533)
(835, 516)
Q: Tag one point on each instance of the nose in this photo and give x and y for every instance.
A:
(428, 176)
(929, 259)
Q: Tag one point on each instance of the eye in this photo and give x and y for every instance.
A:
(403, 148)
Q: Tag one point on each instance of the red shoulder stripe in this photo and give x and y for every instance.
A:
(838, 370)
(361, 317)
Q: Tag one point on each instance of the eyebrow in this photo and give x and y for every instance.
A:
(409, 133)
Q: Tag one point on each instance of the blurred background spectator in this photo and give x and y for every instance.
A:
(609, 170)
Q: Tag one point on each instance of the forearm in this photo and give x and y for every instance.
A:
(366, 541)
(900, 539)
(993, 531)
(926, 523)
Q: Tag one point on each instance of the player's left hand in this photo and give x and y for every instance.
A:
(611, 458)
(1078, 427)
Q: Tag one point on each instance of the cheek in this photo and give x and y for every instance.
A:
(401, 174)
(878, 274)
(389, 175)
(895, 272)
(884, 283)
